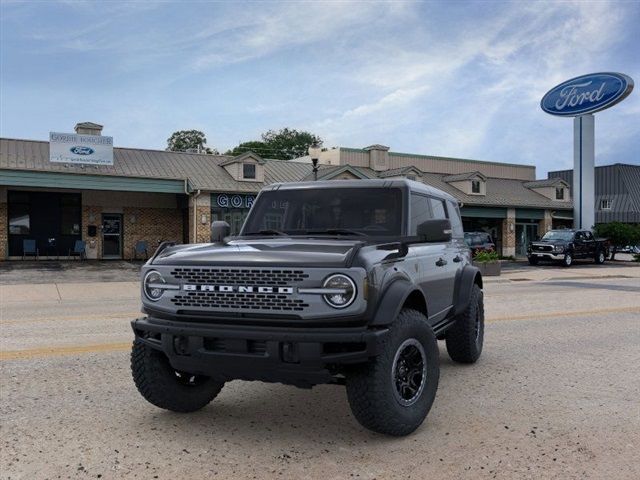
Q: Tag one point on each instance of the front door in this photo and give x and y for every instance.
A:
(111, 235)
(525, 233)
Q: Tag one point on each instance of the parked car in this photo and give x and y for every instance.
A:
(564, 246)
(479, 242)
(353, 294)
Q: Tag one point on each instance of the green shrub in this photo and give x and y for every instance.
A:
(486, 257)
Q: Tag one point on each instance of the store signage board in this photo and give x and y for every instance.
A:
(587, 94)
(580, 98)
(80, 149)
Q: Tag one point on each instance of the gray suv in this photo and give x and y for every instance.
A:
(341, 282)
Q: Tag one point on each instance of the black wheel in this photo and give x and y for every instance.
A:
(466, 337)
(567, 261)
(393, 393)
(163, 386)
(532, 260)
(600, 257)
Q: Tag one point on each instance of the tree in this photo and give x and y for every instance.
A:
(184, 140)
(619, 234)
(289, 143)
(255, 146)
(283, 144)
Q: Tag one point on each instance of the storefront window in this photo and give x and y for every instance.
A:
(231, 208)
(19, 220)
(19, 213)
(70, 215)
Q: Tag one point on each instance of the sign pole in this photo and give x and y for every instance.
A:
(583, 171)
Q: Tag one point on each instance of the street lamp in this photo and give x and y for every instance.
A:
(314, 153)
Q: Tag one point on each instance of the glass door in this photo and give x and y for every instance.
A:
(111, 235)
(525, 233)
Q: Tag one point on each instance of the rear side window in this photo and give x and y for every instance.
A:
(456, 223)
(437, 208)
(420, 211)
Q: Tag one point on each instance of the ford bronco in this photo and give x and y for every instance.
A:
(345, 282)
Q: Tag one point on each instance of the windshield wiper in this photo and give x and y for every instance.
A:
(268, 232)
(337, 231)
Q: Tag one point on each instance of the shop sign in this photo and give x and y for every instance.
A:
(587, 94)
(80, 149)
(225, 200)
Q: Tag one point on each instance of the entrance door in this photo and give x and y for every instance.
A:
(111, 235)
(525, 233)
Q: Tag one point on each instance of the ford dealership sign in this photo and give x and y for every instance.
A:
(80, 149)
(587, 94)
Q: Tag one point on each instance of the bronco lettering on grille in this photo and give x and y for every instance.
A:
(237, 289)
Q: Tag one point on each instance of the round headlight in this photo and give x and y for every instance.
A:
(559, 248)
(343, 291)
(153, 282)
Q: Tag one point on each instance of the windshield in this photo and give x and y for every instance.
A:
(330, 211)
(558, 235)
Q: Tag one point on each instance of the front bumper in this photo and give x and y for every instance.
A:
(298, 356)
(547, 256)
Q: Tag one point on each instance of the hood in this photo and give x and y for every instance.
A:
(264, 252)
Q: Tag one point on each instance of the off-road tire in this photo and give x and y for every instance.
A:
(567, 261)
(532, 260)
(371, 388)
(160, 384)
(600, 257)
(466, 337)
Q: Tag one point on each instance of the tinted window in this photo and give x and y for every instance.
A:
(437, 208)
(420, 211)
(456, 222)
(371, 211)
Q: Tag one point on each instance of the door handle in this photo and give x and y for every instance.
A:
(457, 259)
(441, 262)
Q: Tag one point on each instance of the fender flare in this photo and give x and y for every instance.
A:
(392, 301)
(470, 275)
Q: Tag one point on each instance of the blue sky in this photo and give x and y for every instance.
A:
(460, 79)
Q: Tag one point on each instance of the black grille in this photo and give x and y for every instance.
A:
(239, 301)
(543, 248)
(228, 276)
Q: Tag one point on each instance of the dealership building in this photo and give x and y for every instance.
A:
(78, 187)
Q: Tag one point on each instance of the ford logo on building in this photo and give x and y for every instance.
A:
(587, 94)
(77, 150)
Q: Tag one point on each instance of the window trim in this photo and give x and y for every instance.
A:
(255, 171)
(607, 202)
(477, 182)
(560, 191)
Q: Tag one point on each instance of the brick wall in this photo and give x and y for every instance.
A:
(509, 233)
(202, 207)
(150, 224)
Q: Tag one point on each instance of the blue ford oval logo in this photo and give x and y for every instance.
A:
(587, 94)
(81, 150)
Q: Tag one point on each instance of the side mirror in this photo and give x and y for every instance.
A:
(438, 230)
(219, 231)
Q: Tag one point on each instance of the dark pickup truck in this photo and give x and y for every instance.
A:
(565, 246)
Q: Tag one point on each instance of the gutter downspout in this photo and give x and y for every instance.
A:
(195, 215)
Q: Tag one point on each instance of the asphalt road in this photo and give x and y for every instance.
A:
(556, 394)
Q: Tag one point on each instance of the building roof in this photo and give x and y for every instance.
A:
(205, 172)
(464, 176)
(400, 171)
(546, 182)
(88, 125)
(202, 171)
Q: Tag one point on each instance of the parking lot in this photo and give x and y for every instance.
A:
(555, 394)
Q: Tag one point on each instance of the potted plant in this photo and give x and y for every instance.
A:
(488, 263)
